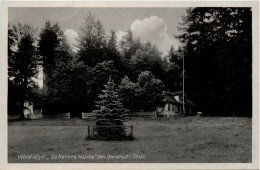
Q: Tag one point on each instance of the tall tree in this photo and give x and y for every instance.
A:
(48, 43)
(218, 58)
(92, 41)
(12, 47)
(173, 70)
(57, 62)
(22, 60)
(113, 54)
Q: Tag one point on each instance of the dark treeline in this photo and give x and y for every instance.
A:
(218, 59)
(217, 46)
(73, 80)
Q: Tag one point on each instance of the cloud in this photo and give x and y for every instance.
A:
(72, 37)
(155, 30)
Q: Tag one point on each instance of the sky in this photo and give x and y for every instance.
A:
(157, 25)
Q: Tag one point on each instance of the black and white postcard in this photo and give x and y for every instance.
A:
(130, 85)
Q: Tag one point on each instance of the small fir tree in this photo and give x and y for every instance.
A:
(111, 114)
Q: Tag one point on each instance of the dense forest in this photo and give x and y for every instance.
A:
(216, 46)
(218, 59)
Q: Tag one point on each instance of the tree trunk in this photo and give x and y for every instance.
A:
(24, 92)
(21, 110)
(75, 113)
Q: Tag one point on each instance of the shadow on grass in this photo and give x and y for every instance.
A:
(126, 138)
(19, 120)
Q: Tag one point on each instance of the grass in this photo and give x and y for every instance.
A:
(157, 140)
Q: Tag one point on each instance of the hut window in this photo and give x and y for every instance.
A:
(173, 108)
(169, 107)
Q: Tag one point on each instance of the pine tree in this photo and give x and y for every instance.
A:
(218, 59)
(22, 60)
(111, 114)
(92, 41)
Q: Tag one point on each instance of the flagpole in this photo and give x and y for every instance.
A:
(183, 83)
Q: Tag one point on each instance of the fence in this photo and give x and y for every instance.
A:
(91, 115)
(63, 115)
(108, 132)
(142, 114)
(88, 115)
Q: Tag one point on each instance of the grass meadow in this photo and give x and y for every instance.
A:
(157, 140)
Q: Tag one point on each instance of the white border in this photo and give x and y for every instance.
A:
(56, 166)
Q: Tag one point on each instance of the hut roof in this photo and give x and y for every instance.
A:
(169, 97)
